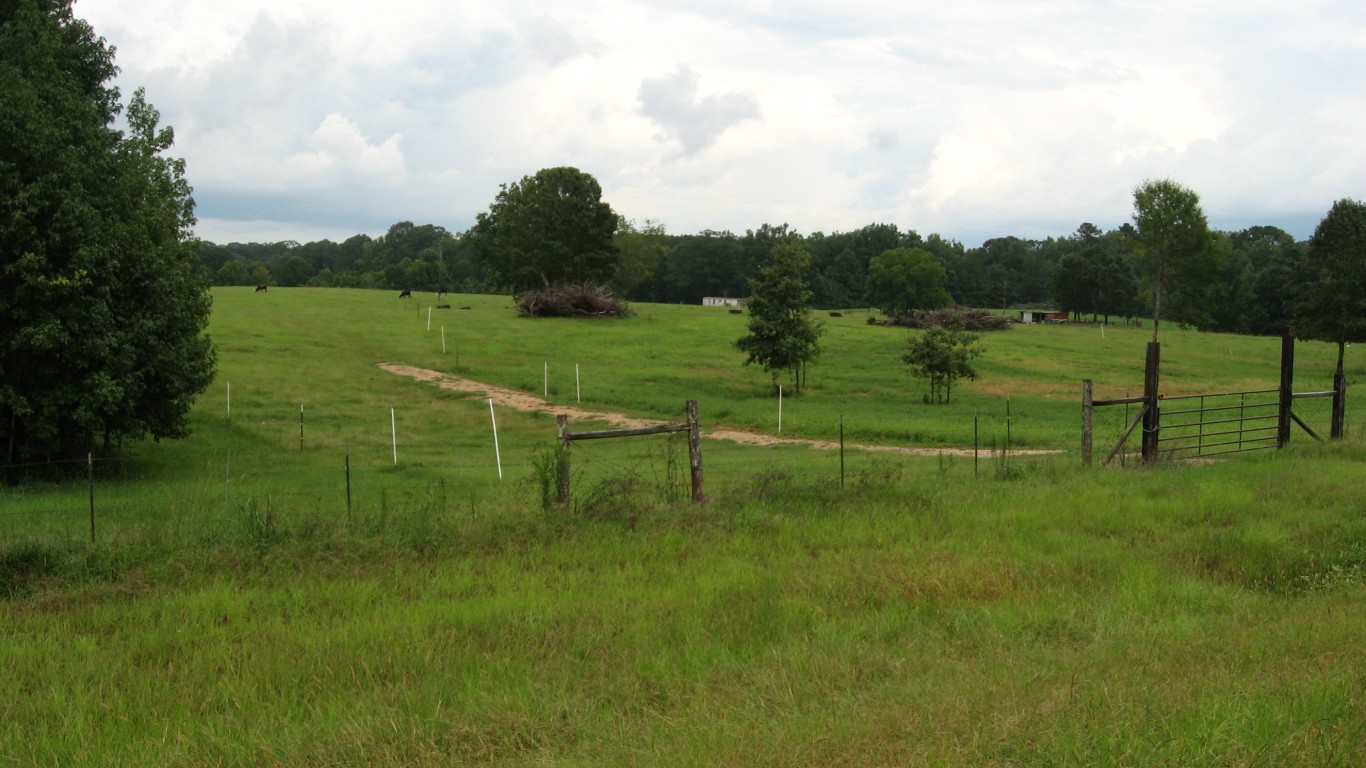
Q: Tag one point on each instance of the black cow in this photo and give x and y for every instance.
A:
(261, 288)
(406, 295)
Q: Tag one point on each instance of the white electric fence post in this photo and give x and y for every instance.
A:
(497, 456)
(780, 409)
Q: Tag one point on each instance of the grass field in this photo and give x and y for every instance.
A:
(934, 611)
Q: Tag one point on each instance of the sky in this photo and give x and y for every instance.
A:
(972, 119)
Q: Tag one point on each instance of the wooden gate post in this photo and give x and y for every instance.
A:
(1086, 409)
(1287, 385)
(695, 451)
(1339, 405)
(562, 461)
(1151, 420)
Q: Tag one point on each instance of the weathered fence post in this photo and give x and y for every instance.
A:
(562, 461)
(1086, 410)
(695, 451)
(1287, 384)
(1151, 421)
(1339, 405)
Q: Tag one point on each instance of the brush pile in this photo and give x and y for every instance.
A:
(585, 300)
(961, 318)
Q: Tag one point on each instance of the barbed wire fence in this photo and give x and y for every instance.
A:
(371, 477)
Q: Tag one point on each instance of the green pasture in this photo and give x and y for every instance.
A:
(650, 364)
(939, 610)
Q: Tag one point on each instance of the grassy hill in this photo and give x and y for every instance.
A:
(933, 611)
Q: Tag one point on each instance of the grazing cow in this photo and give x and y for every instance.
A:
(443, 306)
(261, 288)
(836, 314)
(737, 311)
(406, 295)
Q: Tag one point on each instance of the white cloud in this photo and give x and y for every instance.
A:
(673, 103)
(977, 117)
(339, 153)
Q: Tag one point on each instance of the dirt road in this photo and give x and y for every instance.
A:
(521, 401)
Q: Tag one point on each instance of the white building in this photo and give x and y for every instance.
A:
(717, 301)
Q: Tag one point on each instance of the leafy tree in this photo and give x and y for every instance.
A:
(699, 265)
(1096, 276)
(1255, 292)
(782, 334)
(291, 270)
(906, 279)
(1178, 250)
(942, 356)
(101, 313)
(1076, 282)
(1332, 300)
(234, 272)
(840, 260)
(642, 248)
(549, 229)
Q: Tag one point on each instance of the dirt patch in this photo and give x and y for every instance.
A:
(521, 401)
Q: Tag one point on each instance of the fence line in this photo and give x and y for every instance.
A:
(245, 487)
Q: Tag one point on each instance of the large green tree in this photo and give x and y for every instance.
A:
(782, 334)
(1331, 305)
(101, 313)
(903, 280)
(1182, 259)
(546, 230)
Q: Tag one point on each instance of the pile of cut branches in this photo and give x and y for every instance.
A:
(961, 318)
(584, 300)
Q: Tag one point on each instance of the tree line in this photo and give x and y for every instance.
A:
(1089, 273)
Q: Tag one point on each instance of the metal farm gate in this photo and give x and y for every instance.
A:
(1195, 426)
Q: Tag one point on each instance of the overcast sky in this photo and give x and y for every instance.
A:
(974, 119)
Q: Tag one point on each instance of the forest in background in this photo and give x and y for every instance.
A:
(1090, 272)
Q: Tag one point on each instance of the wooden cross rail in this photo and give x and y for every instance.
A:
(692, 426)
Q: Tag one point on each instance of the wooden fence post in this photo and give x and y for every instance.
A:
(1151, 422)
(1339, 405)
(1086, 410)
(562, 461)
(695, 451)
(1287, 384)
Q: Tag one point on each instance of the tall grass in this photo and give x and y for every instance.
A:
(933, 611)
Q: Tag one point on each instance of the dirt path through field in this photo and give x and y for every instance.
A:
(521, 401)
